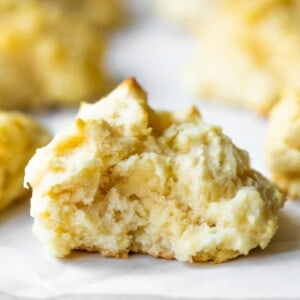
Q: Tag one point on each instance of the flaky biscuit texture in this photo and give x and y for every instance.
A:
(125, 178)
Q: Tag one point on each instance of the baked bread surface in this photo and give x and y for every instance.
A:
(125, 178)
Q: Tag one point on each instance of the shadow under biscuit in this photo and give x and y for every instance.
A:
(286, 240)
(289, 224)
(18, 211)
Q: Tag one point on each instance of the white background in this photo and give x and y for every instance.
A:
(154, 52)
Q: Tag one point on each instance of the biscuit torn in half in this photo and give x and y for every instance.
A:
(20, 136)
(124, 178)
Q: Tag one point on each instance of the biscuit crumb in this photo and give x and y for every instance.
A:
(127, 178)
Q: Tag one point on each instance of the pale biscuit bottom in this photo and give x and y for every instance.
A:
(124, 178)
(217, 256)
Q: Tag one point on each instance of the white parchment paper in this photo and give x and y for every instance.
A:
(154, 52)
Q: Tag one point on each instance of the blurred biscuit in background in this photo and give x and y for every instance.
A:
(249, 51)
(283, 144)
(52, 52)
(20, 136)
